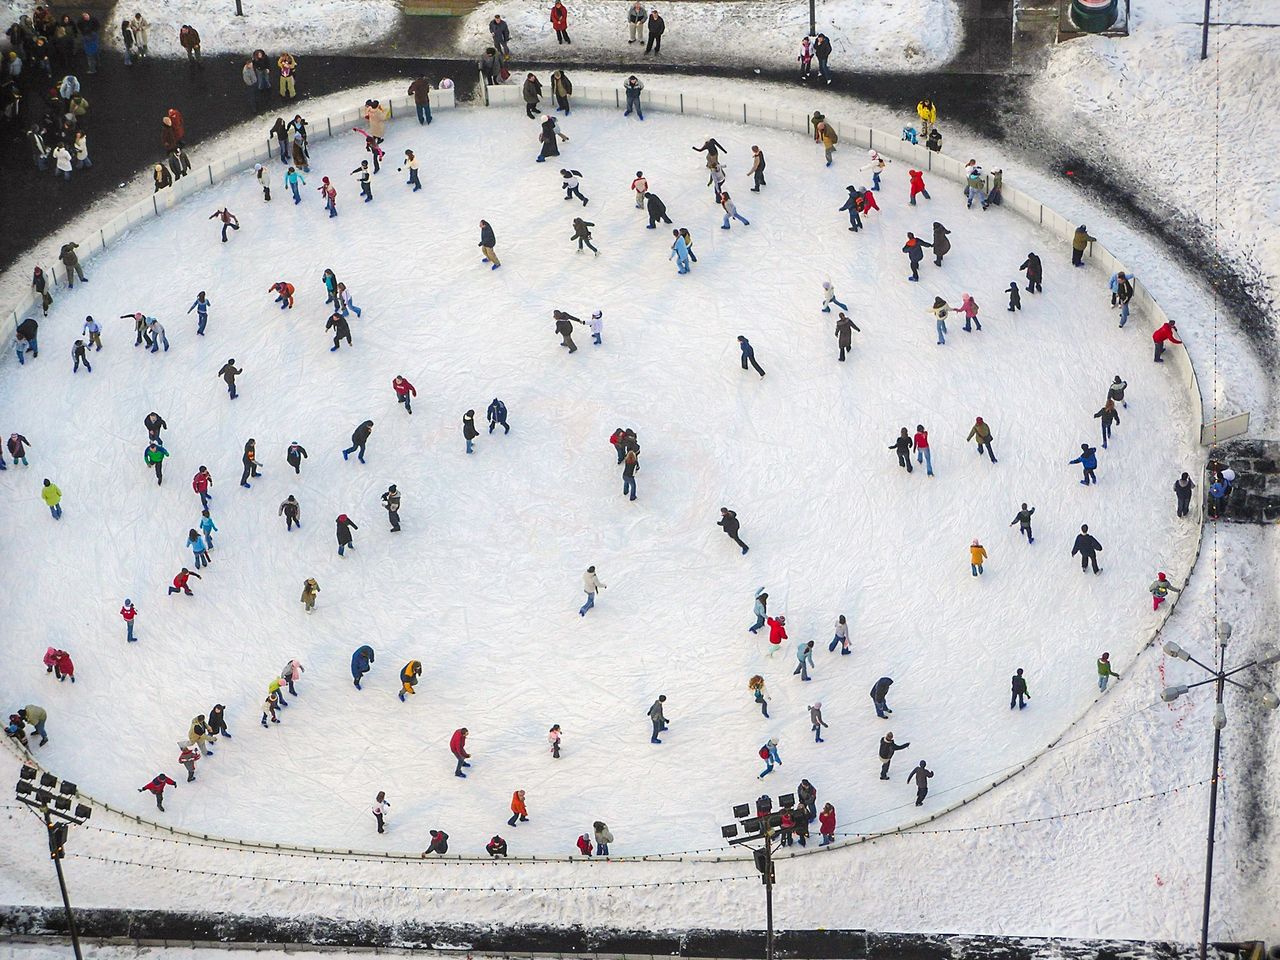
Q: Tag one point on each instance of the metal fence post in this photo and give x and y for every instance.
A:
(682, 103)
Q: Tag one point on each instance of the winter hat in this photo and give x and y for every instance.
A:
(342, 518)
(1161, 576)
(873, 154)
(975, 543)
(826, 284)
(977, 419)
(324, 179)
(817, 706)
(257, 168)
(773, 742)
(128, 602)
(596, 315)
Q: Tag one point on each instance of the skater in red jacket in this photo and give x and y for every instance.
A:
(458, 747)
(157, 786)
(1165, 334)
(180, 582)
(405, 392)
(584, 845)
(827, 824)
(777, 633)
(917, 185)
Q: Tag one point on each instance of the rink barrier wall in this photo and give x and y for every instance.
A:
(733, 111)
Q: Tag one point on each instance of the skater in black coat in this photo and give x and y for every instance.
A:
(729, 521)
(228, 373)
(844, 334)
(1019, 687)
(154, 424)
(564, 327)
(217, 724)
(341, 330)
(657, 210)
(879, 693)
(887, 749)
(1015, 297)
(1182, 488)
(469, 431)
(941, 245)
(345, 526)
(1035, 273)
(249, 460)
(439, 843)
(903, 446)
(1088, 548)
(295, 455)
(914, 249)
(359, 437)
(291, 511)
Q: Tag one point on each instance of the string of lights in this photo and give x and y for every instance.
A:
(1067, 815)
(412, 887)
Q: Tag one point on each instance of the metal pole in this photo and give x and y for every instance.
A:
(1213, 819)
(813, 23)
(239, 12)
(768, 887)
(1204, 40)
(62, 885)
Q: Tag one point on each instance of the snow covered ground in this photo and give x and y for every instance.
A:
(498, 541)
(319, 26)
(1191, 133)
(881, 35)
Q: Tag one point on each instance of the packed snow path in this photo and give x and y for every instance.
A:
(483, 584)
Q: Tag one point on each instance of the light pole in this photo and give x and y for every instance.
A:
(40, 798)
(761, 827)
(1220, 678)
(813, 19)
(1204, 37)
(240, 13)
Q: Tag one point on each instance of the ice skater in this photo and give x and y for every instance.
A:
(591, 585)
(981, 431)
(284, 294)
(749, 355)
(1023, 519)
(841, 637)
(582, 233)
(680, 252)
(731, 212)
(916, 178)
(855, 203)
(391, 502)
(1035, 274)
(887, 749)
(365, 179)
(228, 373)
(564, 326)
(844, 334)
(294, 455)
(759, 694)
(902, 446)
(939, 311)
(730, 524)
(411, 162)
(914, 249)
(1088, 548)
(228, 219)
(129, 613)
(829, 297)
(292, 178)
(572, 185)
(657, 210)
(361, 660)
(921, 776)
(596, 326)
(341, 331)
(359, 437)
(291, 510)
(249, 462)
(1159, 590)
(1018, 691)
(344, 527)
(1109, 415)
(496, 414)
(79, 356)
(804, 656)
(977, 554)
(769, 754)
(469, 431)
(969, 308)
(181, 582)
(487, 243)
(201, 306)
(1088, 461)
(310, 593)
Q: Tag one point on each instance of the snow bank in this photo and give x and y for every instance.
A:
(1153, 109)
(316, 26)
(881, 35)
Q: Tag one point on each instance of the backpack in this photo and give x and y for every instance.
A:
(832, 132)
(764, 753)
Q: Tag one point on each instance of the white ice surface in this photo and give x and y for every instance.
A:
(483, 585)
(881, 35)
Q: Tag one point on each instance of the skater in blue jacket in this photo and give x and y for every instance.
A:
(1088, 461)
(360, 662)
